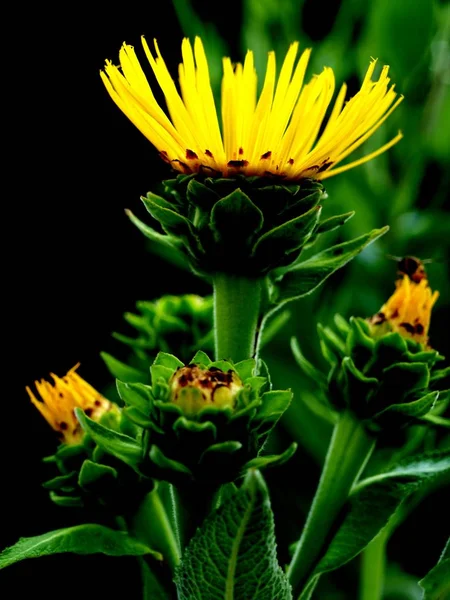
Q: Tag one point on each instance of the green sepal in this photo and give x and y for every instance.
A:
(168, 360)
(271, 408)
(96, 477)
(62, 482)
(200, 358)
(160, 372)
(235, 219)
(398, 414)
(120, 370)
(388, 350)
(358, 388)
(342, 324)
(286, 238)
(359, 344)
(136, 395)
(66, 501)
(140, 419)
(172, 222)
(302, 279)
(308, 368)
(402, 379)
(122, 446)
(170, 243)
(167, 464)
(333, 223)
(333, 348)
(201, 195)
(273, 460)
(246, 368)
(221, 449)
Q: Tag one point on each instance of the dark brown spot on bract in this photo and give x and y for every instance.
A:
(182, 164)
(266, 155)
(395, 314)
(419, 328)
(378, 319)
(408, 327)
(241, 151)
(63, 426)
(190, 154)
(163, 154)
(97, 403)
(61, 395)
(88, 412)
(237, 164)
(291, 161)
(209, 153)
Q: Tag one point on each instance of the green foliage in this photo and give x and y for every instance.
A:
(81, 539)
(372, 503)
(186, 438)
(233, 554)
(387, 381)
(436, 584)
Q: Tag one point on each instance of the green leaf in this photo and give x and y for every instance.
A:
(200, 358)
(372, 503)
(120, 370)
(163, 211)
(122, 446)
(273, 405)
(233, 554)
(436, 584)
(246, 368)
(305, 277)
(81, 539)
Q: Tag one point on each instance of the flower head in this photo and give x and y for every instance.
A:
(408, 310)
(59, 400)
(194, 388)
(277, 133)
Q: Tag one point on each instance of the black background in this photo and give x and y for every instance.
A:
(72, 261)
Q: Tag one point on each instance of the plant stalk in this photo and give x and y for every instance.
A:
(237, 301)
(373, 563)
(349, 450)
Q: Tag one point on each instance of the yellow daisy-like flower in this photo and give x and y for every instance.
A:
(408, 310)
(284, 132)
(60, 399)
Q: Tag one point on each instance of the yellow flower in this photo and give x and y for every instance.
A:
(408, 310)
(60, 399)
(276, 134)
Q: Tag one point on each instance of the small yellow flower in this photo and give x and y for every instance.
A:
(408, 310)
(193, 388)
(60, 399)
(275, 134)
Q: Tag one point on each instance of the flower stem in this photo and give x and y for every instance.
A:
(350, 448)
(237, 301)
(373, 562)
(151, 524)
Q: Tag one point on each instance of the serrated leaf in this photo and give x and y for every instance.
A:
(305, 277)
(372, 503)
(233, 554)
(120, 370)
(436, 584)
(81, 539)
(122, 446)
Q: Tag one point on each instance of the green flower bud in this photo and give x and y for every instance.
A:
(193, 388)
